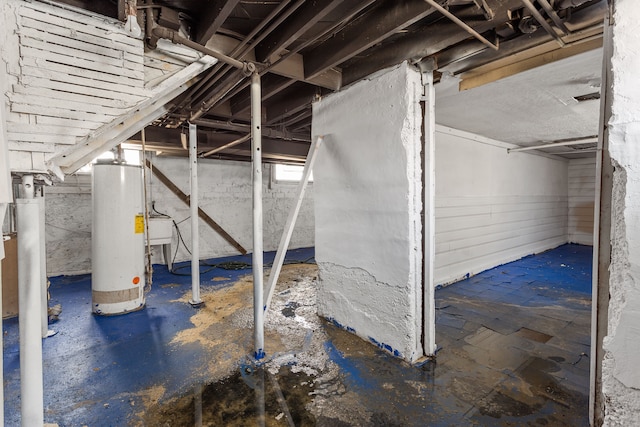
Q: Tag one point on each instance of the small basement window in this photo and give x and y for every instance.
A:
(289, 173)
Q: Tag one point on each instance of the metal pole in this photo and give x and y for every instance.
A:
(291, 221)
(44, 300)
(578, 141)
(228, 145)
(461, 24)
(165, 33)
(257, 264)
(29, 317)
(538, 17)
(429, 246)
(3, 209)
(193, 204)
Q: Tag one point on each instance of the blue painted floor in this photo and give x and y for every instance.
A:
(95, 361)
(513, 342)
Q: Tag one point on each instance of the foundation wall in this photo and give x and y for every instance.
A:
(367, 209)
(493, 207)
(225, 194)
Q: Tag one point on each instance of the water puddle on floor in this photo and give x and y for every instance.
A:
(252, 397)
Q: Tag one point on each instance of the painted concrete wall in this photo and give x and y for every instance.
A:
(620, 373)
(225, 194)
(493, 207)
(367, 209)
(582, 193)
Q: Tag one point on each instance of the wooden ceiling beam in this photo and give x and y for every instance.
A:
(364, 32)
(213, 19)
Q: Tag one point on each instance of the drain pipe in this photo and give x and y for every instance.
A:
(195, 300)
(429, 222)
(257, 258)
(29, 301)
(461, 24)
(538, 17)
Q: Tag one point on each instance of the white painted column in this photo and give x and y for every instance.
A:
(193, 204)
(429, 223)
(6, 197)
(44, 300)
(29, 317)
(257, 264)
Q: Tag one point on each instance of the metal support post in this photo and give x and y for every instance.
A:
(291, 221)
(193, 204)
(429, 315)
(257, 264)
(29, 317)
(44, 293)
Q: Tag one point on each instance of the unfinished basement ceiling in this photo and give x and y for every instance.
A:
(554, 102)
(308, 49)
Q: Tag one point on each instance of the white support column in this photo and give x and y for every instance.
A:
(44, 300)
(257, 264)
(429, 248)
(3, 209)
(291, 221)
(193, 204)
(29, 318)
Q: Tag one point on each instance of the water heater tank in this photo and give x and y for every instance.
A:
(117, 239)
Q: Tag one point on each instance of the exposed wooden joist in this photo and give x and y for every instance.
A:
(475, 78)
(245, 128)
(584, 23)
(426, 42)
(217, 12)
(298, 24)
(291, 102)
(292, 67)
(390, 17)
(272, 84)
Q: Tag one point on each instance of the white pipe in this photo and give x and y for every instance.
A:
(538, 17)
(461, 24)
(3, 209)
(257, 264)
(29, 316)
(588, 140)
(228, 145)
(193, 204)
(44, 303)
(291, 221)
(429, 245)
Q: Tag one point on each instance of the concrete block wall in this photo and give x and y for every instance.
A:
(582, 192)
(493, 207)
(225, 194)
(620, 373)
(367, 209)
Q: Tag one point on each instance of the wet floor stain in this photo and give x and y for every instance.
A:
(250, 397)
(514, 348)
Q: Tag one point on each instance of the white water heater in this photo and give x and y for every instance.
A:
(117, 239)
